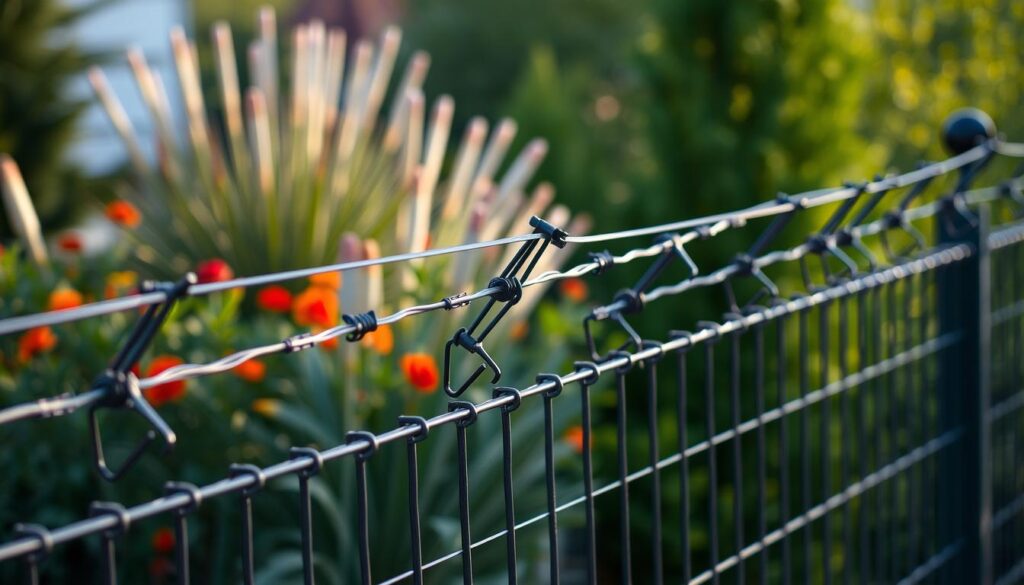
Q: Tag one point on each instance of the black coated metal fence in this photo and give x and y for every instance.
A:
(865, 430)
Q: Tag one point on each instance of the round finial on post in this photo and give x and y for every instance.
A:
(966, 128)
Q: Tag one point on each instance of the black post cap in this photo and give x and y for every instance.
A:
(966, 128)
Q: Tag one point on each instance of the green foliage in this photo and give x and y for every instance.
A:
(941, 56)
(37, 118)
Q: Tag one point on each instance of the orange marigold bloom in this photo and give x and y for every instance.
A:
(274, 298)
(69, 242)
(251, 371)
(574, 289)
(35, 341)
(163, 393)
(381, 341)
(123, 214)
(119, 283)
(214, 270)
(331, 280)
(65, 298)
(420, 370)
(163, 541)
(574, 436)
(317, 306)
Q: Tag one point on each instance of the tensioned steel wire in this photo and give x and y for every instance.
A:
(784, 205)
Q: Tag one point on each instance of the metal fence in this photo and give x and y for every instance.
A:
(865, 430)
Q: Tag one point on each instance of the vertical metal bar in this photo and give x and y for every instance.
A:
(912, 414)
(845, 442)
(878, 432)
(709, 398)
(684, 465)
(236, 470)
(864, 514)
(549, 470)
(826, 442)
(805, 438)
(181, 546)
(506, 458)
(463, 464)
(964, 390)
(737, 452)
(893, 434)
(653, 457)
(588, 467)
(108, 550)
(762, 472)
(780, 382)
(306, 508)
(109, 556)
(413, 480)
(623, 467)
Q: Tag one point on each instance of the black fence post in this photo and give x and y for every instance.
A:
(965, 470)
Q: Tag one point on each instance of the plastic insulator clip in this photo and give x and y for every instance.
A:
(603, 260)
(454, 302)
(632, 301)
(555, 235)
(363, 322)
(297, 343)
(510, 289)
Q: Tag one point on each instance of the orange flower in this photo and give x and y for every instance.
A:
(170, 391)
(266, 406)
(574, 436)
(123, 214)
(274, 298)
(163, 541)
(251, 371)
(119, 283)
(65, 298)
(381, 341)
(331, 280)
(214, 270)
(316, 306)
(35, 341)
(574, 289)
(420, 370)
(69, 242)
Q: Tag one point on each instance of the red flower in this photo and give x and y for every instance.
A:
(123, 214)
(215, 270)
(420, 370)
(69, 242)
(170, 391)
(35, 341)
(251, 371)
(274, 298)
(163, 541)
(330, 280)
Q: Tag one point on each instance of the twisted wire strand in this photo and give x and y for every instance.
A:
(807, 199)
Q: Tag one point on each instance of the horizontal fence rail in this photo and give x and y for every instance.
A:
(863, 430)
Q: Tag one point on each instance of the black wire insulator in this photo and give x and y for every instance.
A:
(510, 290)
(603, 260)
(363, 322)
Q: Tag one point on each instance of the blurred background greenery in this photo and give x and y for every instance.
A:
(653, 110)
